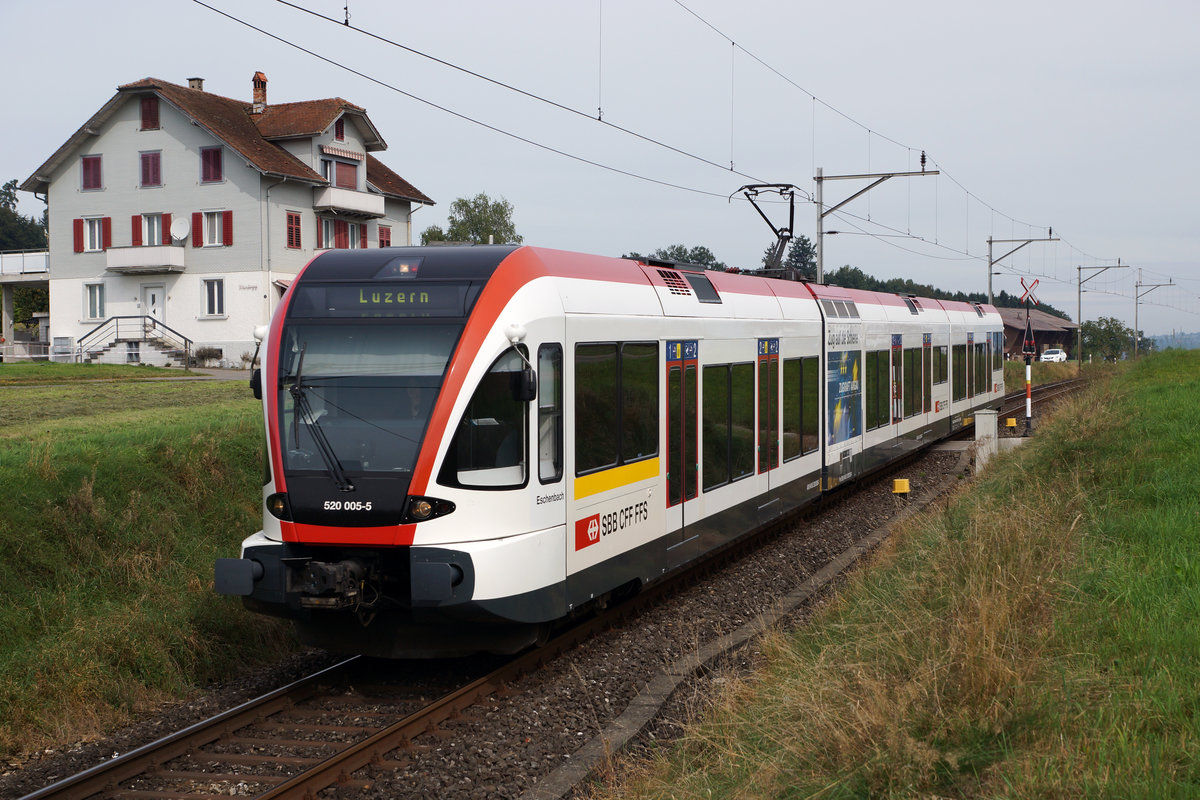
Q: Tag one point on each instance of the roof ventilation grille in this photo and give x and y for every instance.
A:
(675, 282)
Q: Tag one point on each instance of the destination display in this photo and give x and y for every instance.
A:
(358, 300)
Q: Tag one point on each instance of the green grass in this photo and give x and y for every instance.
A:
(118, 497)
(1036, 638)
(51, 372)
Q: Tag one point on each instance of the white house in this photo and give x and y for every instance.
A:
(177, 214)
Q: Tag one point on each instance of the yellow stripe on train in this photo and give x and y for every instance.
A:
(615, 478)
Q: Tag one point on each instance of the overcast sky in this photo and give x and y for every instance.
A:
(1081, 116)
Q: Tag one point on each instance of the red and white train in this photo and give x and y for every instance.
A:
(466, 445)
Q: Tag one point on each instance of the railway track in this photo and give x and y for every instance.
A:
(341, 725)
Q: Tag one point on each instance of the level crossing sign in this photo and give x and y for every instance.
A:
(1028, 346)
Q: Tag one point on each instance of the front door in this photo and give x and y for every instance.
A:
(152, 303)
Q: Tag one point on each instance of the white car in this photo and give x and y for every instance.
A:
(1054, 354)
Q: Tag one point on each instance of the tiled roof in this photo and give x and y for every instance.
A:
(390, 183)
(251, 135)
(231, 122)
(306, 118)
(1038, 320)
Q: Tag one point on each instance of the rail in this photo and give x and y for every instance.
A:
(131, 329)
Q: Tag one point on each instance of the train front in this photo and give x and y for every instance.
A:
(355, 362)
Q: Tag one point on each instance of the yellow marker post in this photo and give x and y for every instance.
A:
(900, 486)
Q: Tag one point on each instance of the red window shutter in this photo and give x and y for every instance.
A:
(149, 113)
(135, 230)
(107, 226)
(341, 234)
(345, 175)
(166, 231)
(227, 227)
(197, 229)
(362, 235)
(339, 129)
(78, 230)
(385, 236)
(320, 233)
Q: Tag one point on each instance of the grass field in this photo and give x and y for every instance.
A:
(1037, 638)
(118, 496)
(45, 372)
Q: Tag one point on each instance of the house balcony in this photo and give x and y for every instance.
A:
(145, 260)
(347, 202)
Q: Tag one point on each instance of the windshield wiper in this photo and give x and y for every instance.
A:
(304, 410)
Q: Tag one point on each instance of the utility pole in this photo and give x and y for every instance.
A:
(822, 212)
(1022, 242)
(1138, 294)
(1079, 307)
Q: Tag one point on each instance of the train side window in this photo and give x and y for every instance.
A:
(793, 383)
(940, 365)
(959, 369)
(800, 391)
(490, 447)
(809, 406)
(912, 382)
(616, 404)
(595, 406)
(876, 388)
(715, 425)
(550, 418)
(639, 401)
(741, 434)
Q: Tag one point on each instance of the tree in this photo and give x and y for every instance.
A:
(801, 257)
(474, 220)
(1111, 339)
(699, 255)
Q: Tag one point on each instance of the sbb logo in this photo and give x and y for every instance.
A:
(587, 531)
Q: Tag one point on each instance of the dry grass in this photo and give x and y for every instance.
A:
(929, 678)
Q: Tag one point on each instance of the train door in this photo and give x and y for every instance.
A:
(970, 365)
(768, 405)
(683, 462)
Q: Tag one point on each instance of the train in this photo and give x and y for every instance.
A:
(468, 445)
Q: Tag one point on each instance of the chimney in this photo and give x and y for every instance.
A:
(260, 93)
(196, 83)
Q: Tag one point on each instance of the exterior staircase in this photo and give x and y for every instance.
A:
(134, 340)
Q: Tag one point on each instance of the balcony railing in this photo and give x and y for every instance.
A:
(24, 262)
(145, 259)
(347, 201)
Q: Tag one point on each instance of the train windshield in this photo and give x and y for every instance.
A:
(355, 398)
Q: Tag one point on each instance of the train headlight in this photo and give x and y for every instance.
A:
(277, 505)
(420, 509)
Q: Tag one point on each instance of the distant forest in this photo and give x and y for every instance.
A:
(854, 278)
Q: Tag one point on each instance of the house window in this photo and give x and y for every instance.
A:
(293, 230)
(93, 234)
(385, 235)
(341, 235)
(339, 129)
(93, 301)
(345, 175)
(211, 164)
(152, 229)
(91, 172)
(213, 229)
(152, 168)
(214, 297)
(149, 113)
